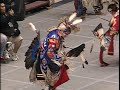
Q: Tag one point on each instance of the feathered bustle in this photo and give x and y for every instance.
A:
(29, 58)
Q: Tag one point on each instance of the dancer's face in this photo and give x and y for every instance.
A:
(111, 12)
(64, 32)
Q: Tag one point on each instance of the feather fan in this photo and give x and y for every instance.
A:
(78, 51)
(75, 52)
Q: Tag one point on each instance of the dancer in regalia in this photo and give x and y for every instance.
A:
(107, 39)
(47, 58)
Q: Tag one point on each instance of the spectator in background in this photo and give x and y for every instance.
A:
(79, 7)
(3, 41)
(9, 27)
(98, 6)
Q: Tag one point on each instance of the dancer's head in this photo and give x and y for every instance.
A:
(67, 25)
(112, 9)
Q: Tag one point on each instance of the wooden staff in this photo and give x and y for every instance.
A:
(104, 19)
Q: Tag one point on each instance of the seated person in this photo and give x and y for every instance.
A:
(9, 27)
(3, 41)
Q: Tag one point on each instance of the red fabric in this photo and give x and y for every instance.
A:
(53, 43)
(63, 77)
(50, 55)
(101, 56)
(111, 46)
(115, 25)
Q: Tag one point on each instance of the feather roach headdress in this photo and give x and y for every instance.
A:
(68, 24)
